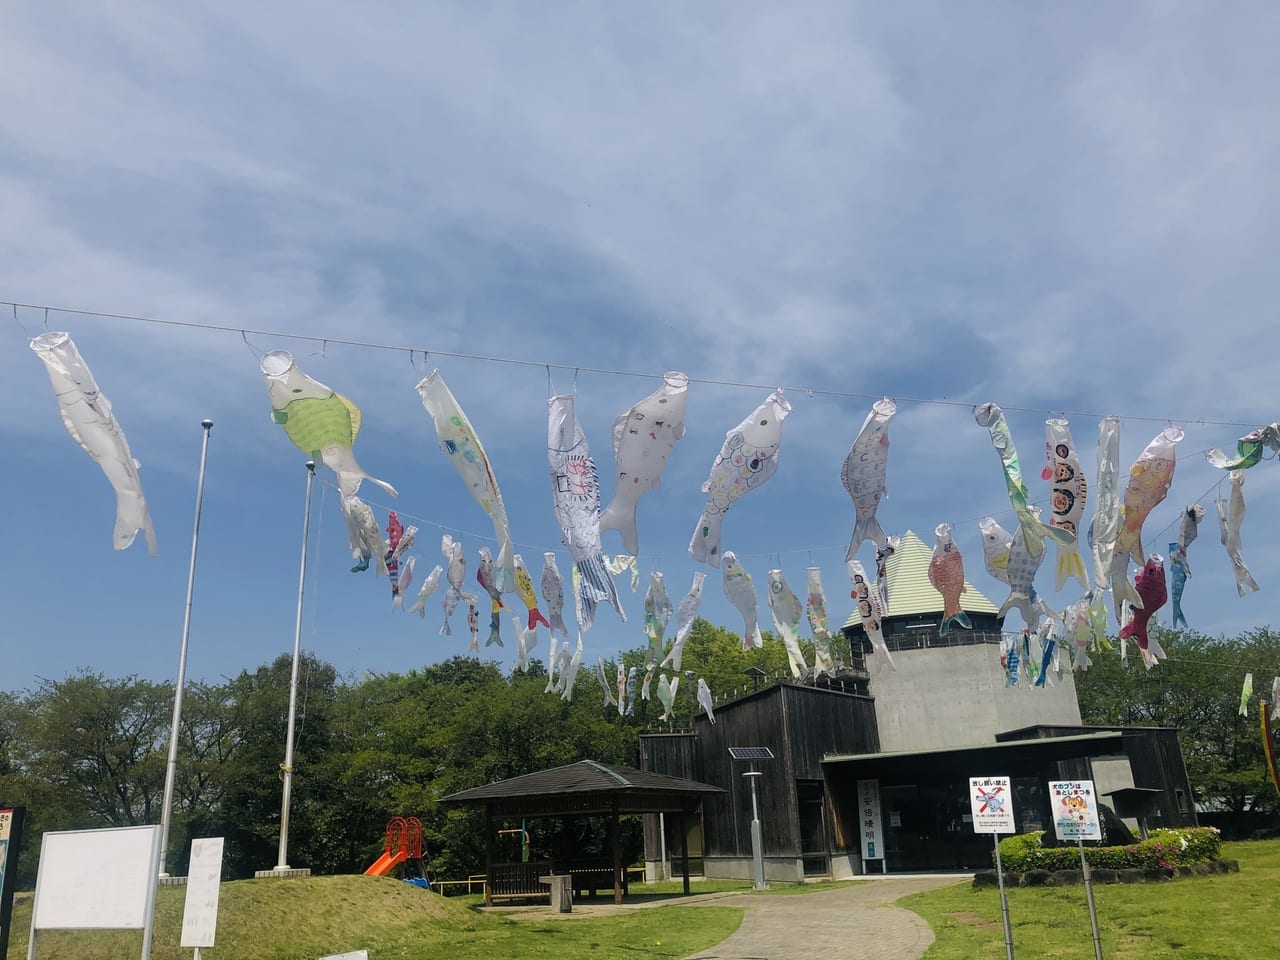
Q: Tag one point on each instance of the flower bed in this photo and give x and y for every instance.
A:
(1164, 849)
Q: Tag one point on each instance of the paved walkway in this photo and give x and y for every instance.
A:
(858, 920)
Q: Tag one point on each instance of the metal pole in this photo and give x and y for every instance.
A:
(757, 845)
(283, 859)
(1093, 910)
(1004, 901)
(662, 847)
(171, 771)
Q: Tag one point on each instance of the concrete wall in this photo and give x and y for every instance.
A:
(956, 697)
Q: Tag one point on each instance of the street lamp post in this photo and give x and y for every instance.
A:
(752, 754)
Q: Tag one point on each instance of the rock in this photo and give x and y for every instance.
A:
(1036, 878)
(1066, 878)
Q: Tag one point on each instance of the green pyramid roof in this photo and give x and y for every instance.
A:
(911, 593)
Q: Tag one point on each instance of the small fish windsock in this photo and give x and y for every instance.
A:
(788, 611)
(686, 613)
(740, 592)
(863, 474)
(1249, 449)
(1109, 510)
(705, 701)
(1230, 519)
(1067, 495)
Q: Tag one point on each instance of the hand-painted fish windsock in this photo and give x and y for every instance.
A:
(996, 542)
(788, 611)
(816, 610)
(657, 613)
(1230, 519)
(946, 573)
(869, 608)
(473, 624)
(648, 679)
(741, 593)
(1246, 691)
(622, 690)
(643, 438)
(570, 673)
(666, 696)
(575, 488)
(1047, 632)
(1180, 570)
(1149, 481)
(461, 444)
(455, 573)
(1249, 449)
(429, 586)
(686, 613)
(602, 677)
(364, 535)
(1108, 512)
(86, 413)
(321, 423)
(1151, 588)
(882, 570)
(1023, 566)
(553, 593)
(1075, 618)
(705, 701)
(524, 588)
(486, 573)
(748, 458)
(631, 693)
(863, 474)
(990, 415)
(1067, 495)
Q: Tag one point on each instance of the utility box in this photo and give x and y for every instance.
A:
(561, 892)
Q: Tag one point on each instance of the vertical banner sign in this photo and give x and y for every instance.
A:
(992, 804)
(1075, 810)
(204, 879)
(10, 837)
(869, 810)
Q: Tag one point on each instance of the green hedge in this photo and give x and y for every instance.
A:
(1163, 849)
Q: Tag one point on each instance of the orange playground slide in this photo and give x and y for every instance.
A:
(385, 864)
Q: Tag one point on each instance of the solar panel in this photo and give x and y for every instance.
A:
(751, 753)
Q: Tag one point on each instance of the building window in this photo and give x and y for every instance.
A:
(1182, 800)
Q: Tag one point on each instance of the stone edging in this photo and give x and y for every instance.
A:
(1063, 878)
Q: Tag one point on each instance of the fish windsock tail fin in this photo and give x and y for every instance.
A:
(622, 517)
(536, 617)
(1082, 661)
(959, 618)
(446, 630)
(1154, 650)
(381, 483)
(504, 568)
(705, 545)
(557, 623)
(865, 528)
(1070, 564)
(1178, 617)
(495, 630)
(1122, 592)
(132, 516)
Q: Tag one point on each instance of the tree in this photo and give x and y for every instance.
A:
(1197, 690)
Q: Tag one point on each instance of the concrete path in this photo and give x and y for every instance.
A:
(858, 920)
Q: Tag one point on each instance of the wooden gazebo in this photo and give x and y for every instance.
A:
(583, 789)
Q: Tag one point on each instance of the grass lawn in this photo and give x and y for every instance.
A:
(1221, 917)
(305, 918)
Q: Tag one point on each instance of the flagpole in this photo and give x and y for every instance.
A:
(283, 859)
(171, 771)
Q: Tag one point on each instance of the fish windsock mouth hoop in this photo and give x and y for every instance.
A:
(676, 379)
(885, 407)
(49, 341)
(276, 363)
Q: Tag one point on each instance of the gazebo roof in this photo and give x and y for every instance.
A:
(911, 593)
(585, 787)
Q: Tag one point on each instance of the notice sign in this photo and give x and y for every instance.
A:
(992, 804)
(1075, 810)
(6, 824)
(204, 883)
(869, 811)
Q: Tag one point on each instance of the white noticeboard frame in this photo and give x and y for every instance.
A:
(991, 799)
(97, 880)
(204, 883)
(869, 824)
(1075, 810)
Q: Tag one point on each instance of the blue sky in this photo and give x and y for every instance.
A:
(1061, 209)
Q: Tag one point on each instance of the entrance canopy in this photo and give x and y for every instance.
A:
(1011, 757)
(583, 789)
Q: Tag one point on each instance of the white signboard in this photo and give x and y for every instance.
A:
(204, 882)
(1075, 810)
(96, 879)
(869, 819)
(992, 801)
(356, 955)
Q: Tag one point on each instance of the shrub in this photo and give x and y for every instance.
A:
(1162, 850)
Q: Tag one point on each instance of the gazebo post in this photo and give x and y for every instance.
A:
(489, 837)
(615, 840)
(684, 850)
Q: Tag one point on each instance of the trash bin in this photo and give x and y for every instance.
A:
(561, 885)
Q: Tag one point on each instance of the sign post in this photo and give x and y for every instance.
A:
(869, 808)
(1075, 817)
(10, 838)
(991, 800)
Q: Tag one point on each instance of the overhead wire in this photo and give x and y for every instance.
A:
(811, 391)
